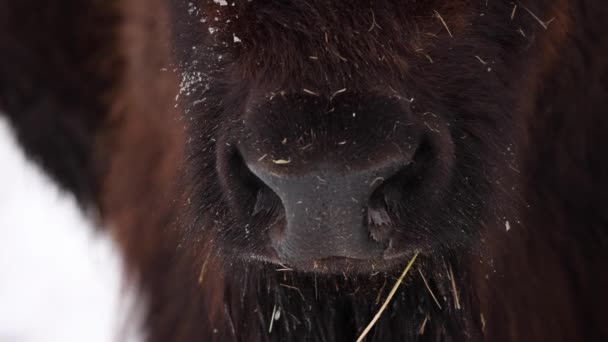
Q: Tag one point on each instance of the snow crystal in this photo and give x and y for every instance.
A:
(192, 9)
(190, 82)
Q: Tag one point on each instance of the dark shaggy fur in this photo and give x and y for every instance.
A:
(53, 79)
(511, 102)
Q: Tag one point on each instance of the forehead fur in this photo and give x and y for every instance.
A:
(329, 44)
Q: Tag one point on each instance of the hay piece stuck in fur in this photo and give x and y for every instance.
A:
(388, 299)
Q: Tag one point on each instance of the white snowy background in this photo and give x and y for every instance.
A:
(60, 280)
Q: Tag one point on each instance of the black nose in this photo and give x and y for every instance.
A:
(328, 163)
(327, 208)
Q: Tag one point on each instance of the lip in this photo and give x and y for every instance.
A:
(336, 265)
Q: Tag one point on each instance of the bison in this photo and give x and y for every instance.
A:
(268, 168)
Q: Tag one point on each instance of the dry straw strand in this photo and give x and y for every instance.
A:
(388, 299)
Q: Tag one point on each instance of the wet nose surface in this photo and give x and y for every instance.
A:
(326, 210)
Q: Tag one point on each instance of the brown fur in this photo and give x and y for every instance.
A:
(552, 291)
(95, 108)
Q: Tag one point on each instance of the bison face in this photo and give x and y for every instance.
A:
(343, 136)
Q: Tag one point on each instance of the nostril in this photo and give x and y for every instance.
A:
(245, 190)
(239, 173)
(387, 197)
(379, 223)
(260, 203)
(378, 217)
(266, 201)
